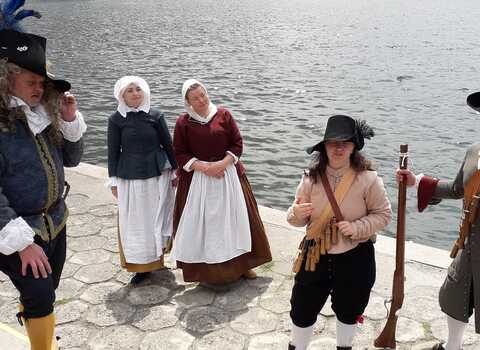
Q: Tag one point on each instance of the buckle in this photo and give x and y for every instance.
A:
(67, 189)
(19, 318)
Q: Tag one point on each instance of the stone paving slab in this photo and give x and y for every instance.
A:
(97, 308)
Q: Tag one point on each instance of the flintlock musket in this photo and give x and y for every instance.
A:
(386, 339)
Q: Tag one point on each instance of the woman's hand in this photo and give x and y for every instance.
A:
(69, 107)
(302, 210)
(216, 169)
(114, 191)
(405, 175)
(346, 228)
(199, 165)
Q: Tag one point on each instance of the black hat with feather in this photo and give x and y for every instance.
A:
(28, 51)
(345, 128)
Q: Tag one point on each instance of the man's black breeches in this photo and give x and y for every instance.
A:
(37, 295)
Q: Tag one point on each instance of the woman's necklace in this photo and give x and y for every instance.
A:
(336, 180)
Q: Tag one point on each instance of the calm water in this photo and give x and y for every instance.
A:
(283, 67)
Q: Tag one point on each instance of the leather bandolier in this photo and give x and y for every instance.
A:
(471, 201)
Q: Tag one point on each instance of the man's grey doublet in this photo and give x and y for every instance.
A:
(464, 270)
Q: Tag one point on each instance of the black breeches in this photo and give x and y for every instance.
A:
(347, 277)
(37, 295)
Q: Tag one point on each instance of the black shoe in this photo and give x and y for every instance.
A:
(438, 346)
(291, 347)
(344, 348)
(139, 277)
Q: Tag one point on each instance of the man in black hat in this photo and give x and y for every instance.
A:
(460, 292)
(40, 133)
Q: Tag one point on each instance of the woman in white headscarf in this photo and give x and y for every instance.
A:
(219, 235)
(140, 167)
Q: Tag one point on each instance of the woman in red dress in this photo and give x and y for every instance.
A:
(219, 235)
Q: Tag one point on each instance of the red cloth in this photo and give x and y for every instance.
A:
(426, 189)
(208, 142)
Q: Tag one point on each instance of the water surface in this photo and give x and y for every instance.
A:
(283, 67)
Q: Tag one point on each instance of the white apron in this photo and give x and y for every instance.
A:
(145, 216)
(214, 225)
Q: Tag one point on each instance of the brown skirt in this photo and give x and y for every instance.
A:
(152, 266)
(233, 269)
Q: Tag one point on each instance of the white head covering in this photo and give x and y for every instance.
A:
(212, 109)
(120, 87)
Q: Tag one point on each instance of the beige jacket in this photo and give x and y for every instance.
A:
(365, 205)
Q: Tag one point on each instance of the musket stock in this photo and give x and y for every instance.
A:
(386, 339)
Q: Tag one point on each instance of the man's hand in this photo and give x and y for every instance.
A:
(34, 256)
(114, 191)
(69, 107)
(405, 174)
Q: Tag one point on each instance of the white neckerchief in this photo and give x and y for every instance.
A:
(119, 89)
(37, 117)
(212, 109)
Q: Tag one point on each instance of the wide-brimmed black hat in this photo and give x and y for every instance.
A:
(344, 128)
(473, 100)
(28, 51)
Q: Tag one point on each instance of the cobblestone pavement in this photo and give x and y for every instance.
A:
(97, 309)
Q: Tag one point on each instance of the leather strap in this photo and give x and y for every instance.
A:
(317, 226)
(331, 197)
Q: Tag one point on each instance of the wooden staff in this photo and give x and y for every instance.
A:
(386, 339)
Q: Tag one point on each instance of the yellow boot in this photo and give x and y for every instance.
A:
(41, 332)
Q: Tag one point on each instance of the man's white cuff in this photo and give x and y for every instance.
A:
(15, 236)
(73, 131)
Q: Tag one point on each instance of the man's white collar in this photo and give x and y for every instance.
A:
(37, 117)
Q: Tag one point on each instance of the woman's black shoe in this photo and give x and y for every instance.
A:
(438, 346)
(139, 277)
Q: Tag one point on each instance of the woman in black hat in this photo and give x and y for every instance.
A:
(460, 292)
(336, 256)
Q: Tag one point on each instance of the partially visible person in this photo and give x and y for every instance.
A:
(141, 167)
(337, 256)
(11, 15)
(40, 133)
(460, 293)
(219, 235)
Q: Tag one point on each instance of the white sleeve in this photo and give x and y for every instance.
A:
(235, 158)
(188, 166)
(73, 131)
(15, 236)
(112, 182)
(418, 178)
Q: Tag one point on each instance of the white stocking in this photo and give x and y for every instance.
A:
(456, 329)
(301, 337)
(345, 334)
